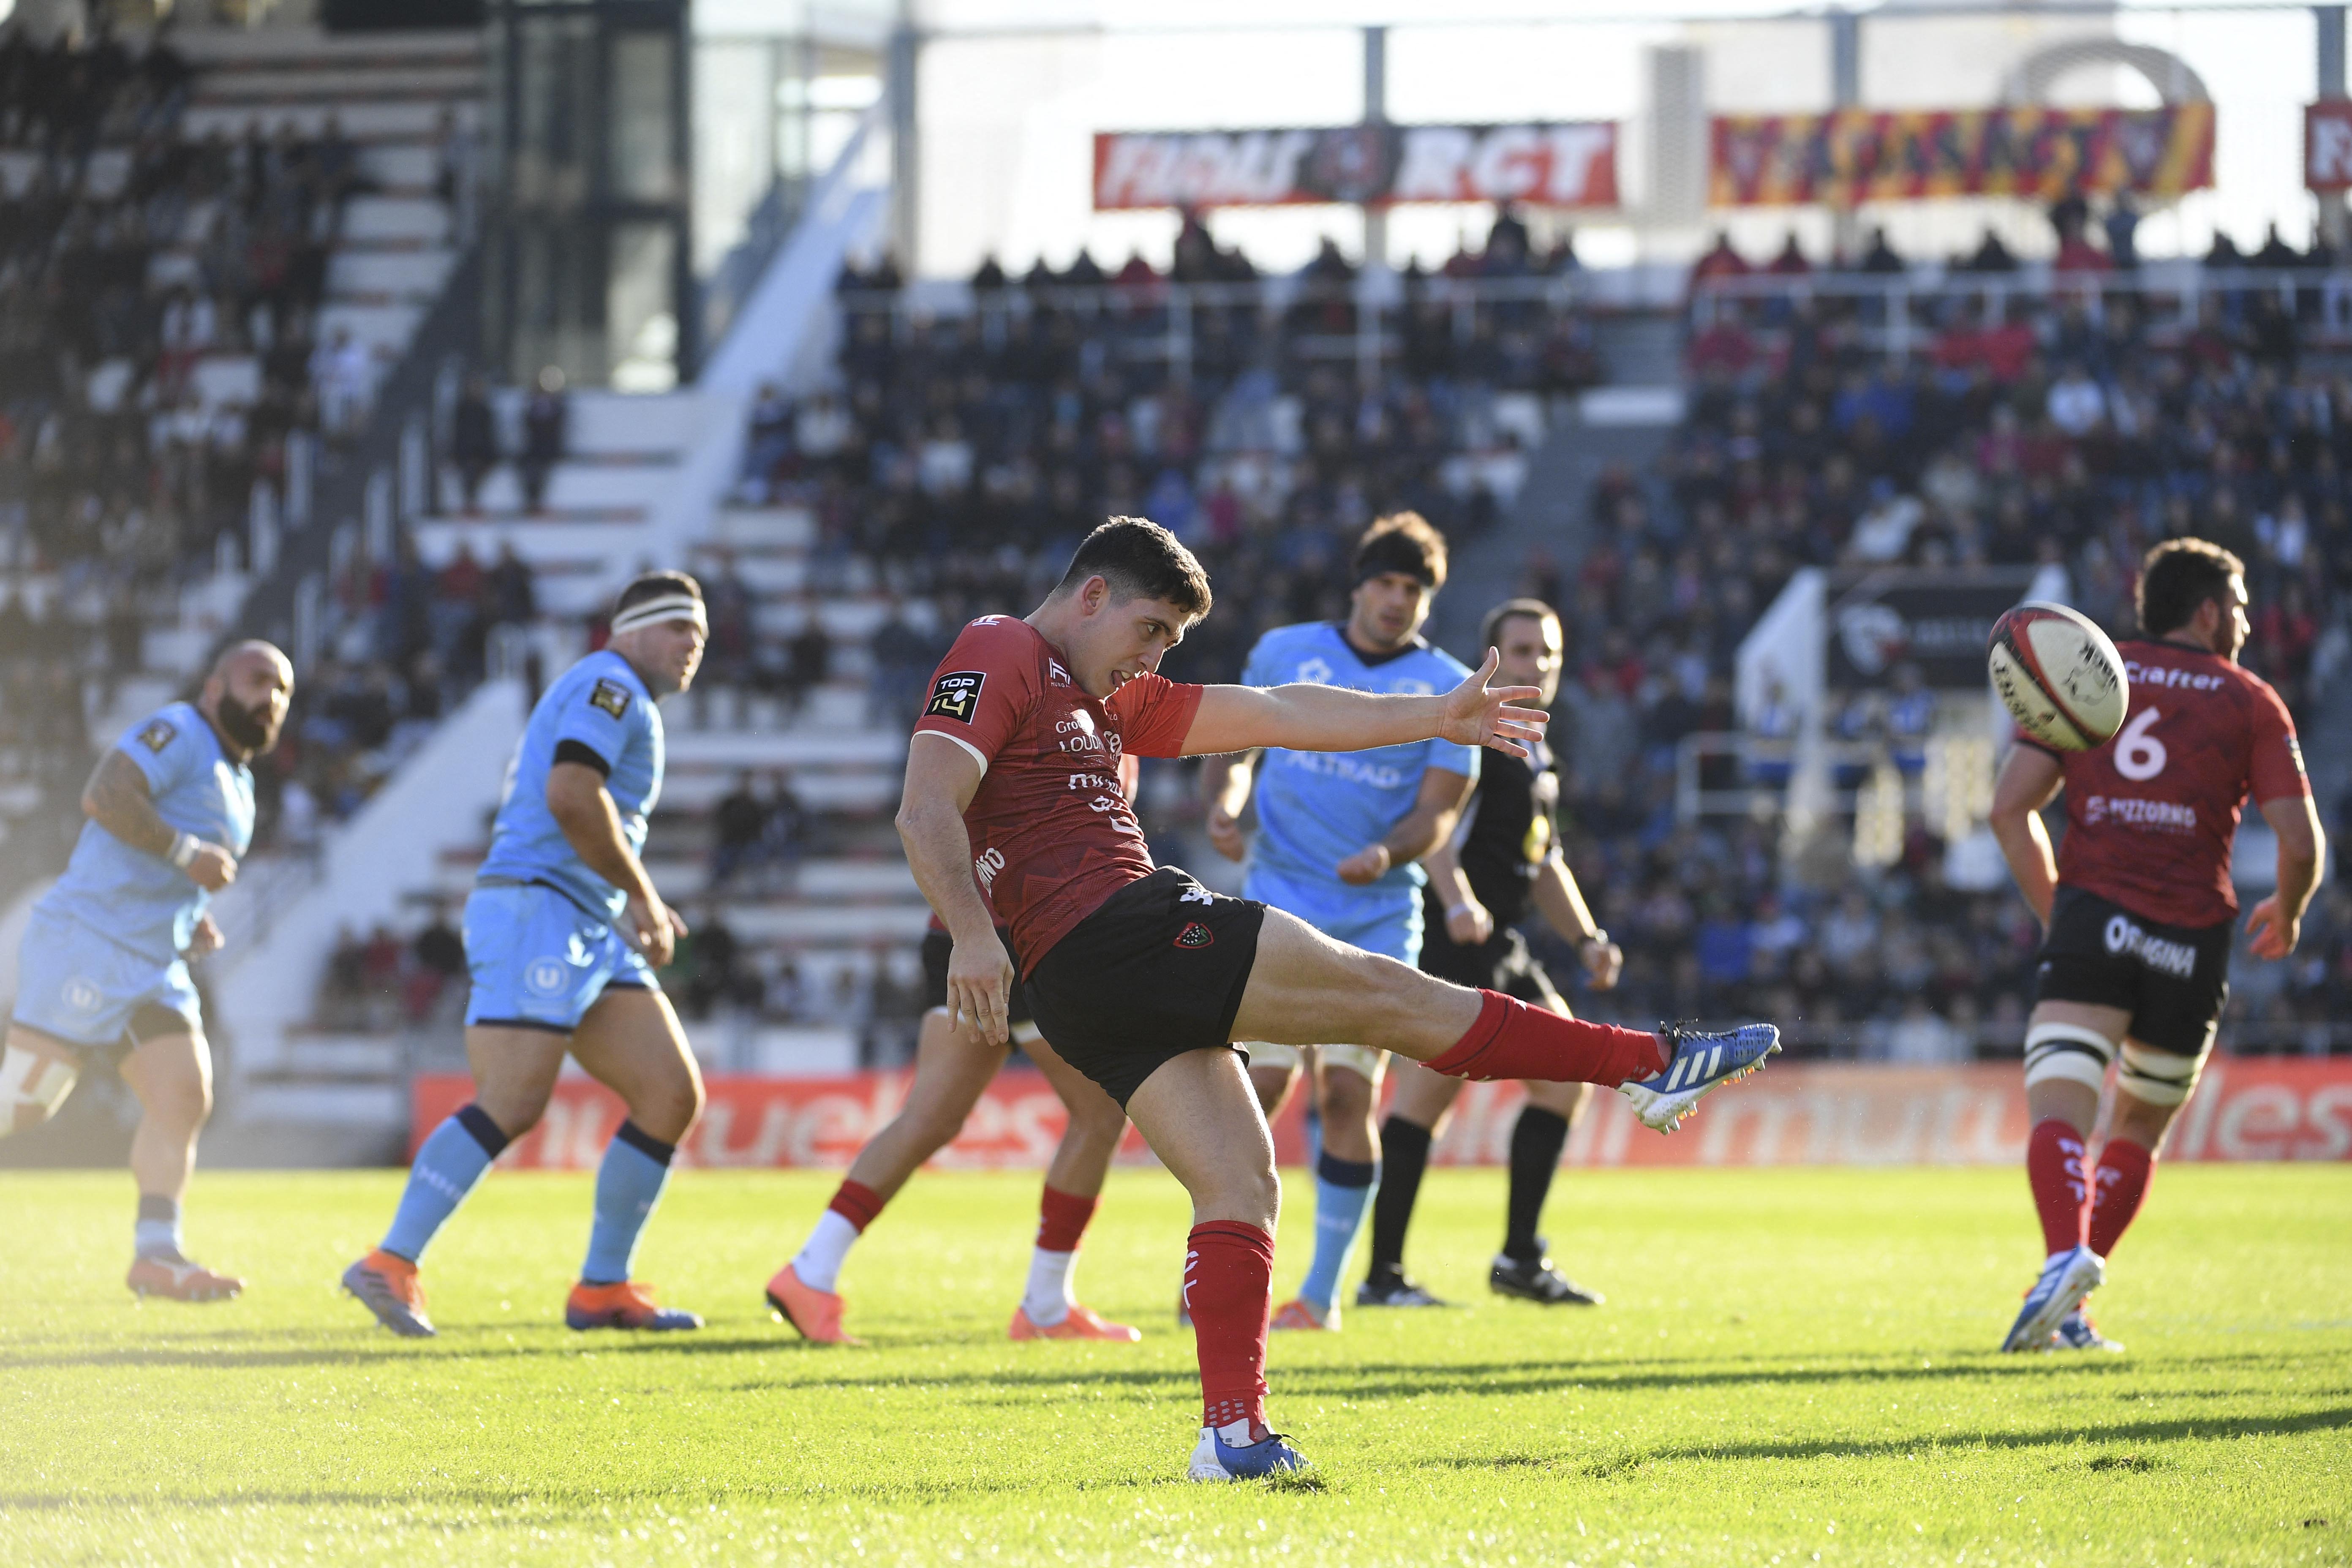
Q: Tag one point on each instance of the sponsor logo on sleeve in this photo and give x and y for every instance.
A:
(2294, 751)
(955, 696)
(158, 735)
(611, 696)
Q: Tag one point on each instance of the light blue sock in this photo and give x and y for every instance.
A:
(1343, 1191)
(447, 1168)
(628, 1184)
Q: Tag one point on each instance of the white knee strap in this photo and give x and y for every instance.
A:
(2160, 1078)
(30, 1083)
(2074, 1052)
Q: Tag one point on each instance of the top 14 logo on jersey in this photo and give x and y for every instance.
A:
(956, 696)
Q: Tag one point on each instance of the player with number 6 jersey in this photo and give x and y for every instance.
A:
(2139, 906)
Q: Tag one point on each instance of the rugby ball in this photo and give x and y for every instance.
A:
(2059, 676)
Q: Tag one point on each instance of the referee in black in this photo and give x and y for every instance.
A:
(1505, 856)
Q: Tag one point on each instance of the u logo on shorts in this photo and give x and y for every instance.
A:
(83, 995)
(545, 976)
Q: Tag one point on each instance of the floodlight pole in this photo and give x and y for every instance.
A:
(1376, 112)
(1845, 92)
(2335, 224)
(900, 66)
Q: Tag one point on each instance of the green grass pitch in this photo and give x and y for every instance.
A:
(1792, 1367)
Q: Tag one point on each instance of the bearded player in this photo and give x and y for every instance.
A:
(102, 975)
(1141, 978)
(2137, 906)
(952, 1068)
(563, 933)
(1482, 882)
(1337, 845)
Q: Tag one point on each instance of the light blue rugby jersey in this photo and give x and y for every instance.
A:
(1317, 808)
(141, 901)
(601, 704)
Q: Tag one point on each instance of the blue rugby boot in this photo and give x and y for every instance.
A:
(1217, 1460)
(2065, 1280)
(626, 1304)
(1697, 1063)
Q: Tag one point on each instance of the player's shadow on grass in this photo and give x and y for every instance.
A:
(2197, 1428)
(452, 1346)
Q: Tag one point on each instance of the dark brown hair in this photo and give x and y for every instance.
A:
(1140, 560)
(1402, 542)
(2177, 576)
(1511, 609)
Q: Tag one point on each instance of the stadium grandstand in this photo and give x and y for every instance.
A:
(273, 365)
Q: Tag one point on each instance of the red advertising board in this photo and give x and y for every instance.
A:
(2247, 1108)
(1572, 165)
(2327, 145)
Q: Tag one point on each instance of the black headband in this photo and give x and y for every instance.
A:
(1394, 551)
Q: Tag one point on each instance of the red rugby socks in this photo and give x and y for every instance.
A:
(1229, 1290)
(857, 1202)
(2053, 1165)
(1511, 1040)
(2118, 1185)
(1061, 1220)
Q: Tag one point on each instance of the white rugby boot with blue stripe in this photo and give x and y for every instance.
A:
(1214, 1460)
(1697, 1063)
(2066, 1277)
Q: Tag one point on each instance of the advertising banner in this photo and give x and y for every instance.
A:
(1798, 1113)
(1563, 165)
(1940, 621)
(2327, 145)
(1856, 155)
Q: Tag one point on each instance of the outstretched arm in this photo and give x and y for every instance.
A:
(941, 779)
(1333, 719)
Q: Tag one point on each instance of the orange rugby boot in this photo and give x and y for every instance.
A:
(178, 1279)
(386, 1284)
(1301, 1314)
(815, 1313)
(1083, 1323)
(625, 1305)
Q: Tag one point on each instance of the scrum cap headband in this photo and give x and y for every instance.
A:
(668, 608)
(1394, 551)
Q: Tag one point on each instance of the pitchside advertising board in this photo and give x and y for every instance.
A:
(2327, 145)
(1798, 1113)
(1940, 621)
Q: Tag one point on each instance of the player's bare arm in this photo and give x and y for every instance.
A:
(1563, 903)
(1224, 791)
(1304, 718)
(1430, 823)
(2276, 925)
(2028, 781)
(583, 808)
(941, 779)
(117, 798)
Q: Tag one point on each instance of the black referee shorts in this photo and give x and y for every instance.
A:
(1502, 963)
(937, 946)
(1156, 971)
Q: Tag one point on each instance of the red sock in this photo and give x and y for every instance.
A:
(2119, 1185)
(1511, 1039)
(1061, 1220)
(1229, 1289)
(2053, 1165)
(859, 1203)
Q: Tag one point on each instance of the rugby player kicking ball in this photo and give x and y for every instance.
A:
(1141, 978)
(2137, 906)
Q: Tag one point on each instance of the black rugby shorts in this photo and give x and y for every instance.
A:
(2173, 980)
(1502, 963)
(1156, 971)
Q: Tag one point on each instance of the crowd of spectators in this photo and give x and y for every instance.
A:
(2064, 432)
